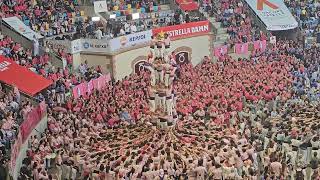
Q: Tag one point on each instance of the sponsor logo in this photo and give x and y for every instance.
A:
(4, 65)
(123, 40)
(187, 31)
(87, 45)
(140, 66)
(260, 4)
(137, 38)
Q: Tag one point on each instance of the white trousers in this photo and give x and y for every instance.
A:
(152, 105)
(167, 79)
(157, 101)
(161, 76)
(163, 102)
(169, 106)
(159, 52)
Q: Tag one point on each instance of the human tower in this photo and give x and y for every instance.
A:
(162, 98)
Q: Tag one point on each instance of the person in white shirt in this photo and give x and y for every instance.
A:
(133, 28)
(122, 32)
(98, 34)
(127, 28)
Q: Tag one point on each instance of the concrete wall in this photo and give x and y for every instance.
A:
(26, 43)
(94, 60)
(196, 47)
(40, 128)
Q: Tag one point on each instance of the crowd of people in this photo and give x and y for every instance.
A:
(235, 16)
(50, 18)
(245, 118)
(119, 28)
(146, 5)
(248, 118)
(307, 14)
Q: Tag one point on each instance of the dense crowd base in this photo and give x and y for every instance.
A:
(238, 119)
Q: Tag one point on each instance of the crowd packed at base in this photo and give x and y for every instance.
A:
(254, 118)
(238, 119)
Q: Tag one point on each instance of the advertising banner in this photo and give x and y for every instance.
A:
(28, 82)
(130, 40)
(21, 28)
(90, 45)
(184, 30)
(274, 14)
(100, 6)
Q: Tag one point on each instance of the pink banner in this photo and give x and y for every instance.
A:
(77, 91)
(242, 48)
(32, 120)
(220, 51)
(15, 152)
(95, 84)
(260, 45)
(90, 87)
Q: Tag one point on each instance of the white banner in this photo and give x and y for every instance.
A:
(21, 28)
(274, 14)
(130, 40)
(90, 45)
(101, 45)
(100, 6)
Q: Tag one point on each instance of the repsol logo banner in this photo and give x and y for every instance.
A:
(130, 40)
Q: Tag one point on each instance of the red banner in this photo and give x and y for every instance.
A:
(184, 30)
(32, 120)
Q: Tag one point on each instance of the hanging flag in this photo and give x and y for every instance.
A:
(260, 45)
(220, 51)
(242, 48)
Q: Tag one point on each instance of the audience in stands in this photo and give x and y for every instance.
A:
(234, 15)
(251, 118)
(307, 15)
(50, 18)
